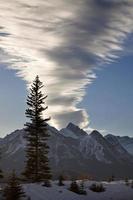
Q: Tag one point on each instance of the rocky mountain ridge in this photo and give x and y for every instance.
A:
(73, 152)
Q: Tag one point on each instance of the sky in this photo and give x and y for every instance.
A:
(109, 100)
(82, 51)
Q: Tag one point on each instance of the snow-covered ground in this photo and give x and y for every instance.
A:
(114, 191)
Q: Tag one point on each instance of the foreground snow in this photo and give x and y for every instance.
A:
(114, 191)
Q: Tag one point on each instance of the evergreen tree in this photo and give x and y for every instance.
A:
(126, 181)
(61, 179)
(74, 187)
(82, 189)
(37, 166)
(13, 190)
(1, 174)
(97, 187)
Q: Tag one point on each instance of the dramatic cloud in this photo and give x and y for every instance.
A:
(63, 41)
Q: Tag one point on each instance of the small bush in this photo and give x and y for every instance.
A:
(47, 183)
(110, 179)
(126, 181)
(81, 189)
(74, 187)
(61, 179)
(132, 184)
(97, 187)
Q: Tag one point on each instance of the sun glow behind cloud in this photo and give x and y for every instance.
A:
(63, 41)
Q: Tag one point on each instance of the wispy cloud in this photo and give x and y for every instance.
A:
(63, 41)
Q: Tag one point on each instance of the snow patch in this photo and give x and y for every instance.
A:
(90, 147)
(114, 191)
(68, 133)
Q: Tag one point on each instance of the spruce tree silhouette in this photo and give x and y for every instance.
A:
(13, 190)
(37, 163)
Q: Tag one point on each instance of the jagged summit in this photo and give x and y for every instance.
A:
(75, 129)
(125, 141)
(71, 125)
(112, 139)
(96, 134)
(72, 150)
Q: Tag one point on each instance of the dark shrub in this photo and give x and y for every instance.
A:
(47, 183)
(81, 189)
(74, 187)
(97, 187)
(126, 181)
(132, 184)
(110, 179)
(61, 179)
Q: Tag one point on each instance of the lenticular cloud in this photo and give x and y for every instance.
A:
(63, 42)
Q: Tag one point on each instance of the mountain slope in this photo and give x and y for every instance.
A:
(124, 141)
(119, 150)
(72, 152)
(127, 143)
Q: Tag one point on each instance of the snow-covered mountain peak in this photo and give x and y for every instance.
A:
(68, 133)
(72, 151)
(71, 125)
(112, 139)
(127, 143)
(95, 134)
(76, 130)
(13, 142)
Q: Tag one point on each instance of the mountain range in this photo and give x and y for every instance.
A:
(73, 152)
